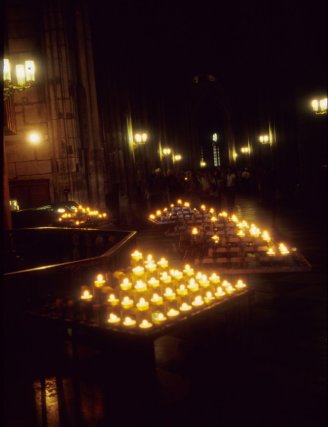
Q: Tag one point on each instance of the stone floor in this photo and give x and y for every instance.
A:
(278, 378)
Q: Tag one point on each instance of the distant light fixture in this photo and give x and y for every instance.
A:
(34, 138)
(202, 164)
(177, 157)
(23, 79)
(234, 155)
(215, 137)
(245, 150)
(264, 139)
(167, 151)
(319, 106)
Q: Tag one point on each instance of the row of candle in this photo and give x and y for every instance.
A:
(81, 215)
(139, 301)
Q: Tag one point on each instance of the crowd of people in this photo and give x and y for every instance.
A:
(216, 185)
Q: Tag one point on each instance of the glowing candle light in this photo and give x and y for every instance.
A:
(165, 278)
(153, 283)
(179, 202)
(188, 270)
(212, 210)
(86, 295)
(99, 282)
(215, 238)
(158, 317)
(230, 289)
(225, 283)
(186, 204)
(219, 292)
(193, 285)
(198, 301)
(150, 266)
(145, 324)
(208, 297)
(283, 249)
(234, 218)
(173, 313)
(240, 285)
(172, 205)
(204, 282)
(254, 231)
(169, 294)
(203, 207)
(194, 231)
(127, 302)
(142, 304)
(214, 219)
(136, 256)
(163, 263)
(113, 318)
(214, 278)
(185, 307)
(224, 214)
(138, 270)
(140, 286)
(266, 236)
(240, 233)
(152, 217)
(129, 322)
(125, 285)
(156, 299)
(271, 251)
(158, 213)
(113, 300)
(182, 290)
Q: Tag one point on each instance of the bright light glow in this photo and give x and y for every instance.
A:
(137, 137)
(34, 138)
(264, 139)
(245, 150)
(202, 164)
(144, 137)
(177, 157)
(30, 71)
(215, 137)
(6, 70)
(167, 151)
(234, 155)
(20, 74)
(323, 104)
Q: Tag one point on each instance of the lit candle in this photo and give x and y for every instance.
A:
(152, 217)
(215, 238)
(214, 278)
(169, 294)
(112, 300)
(188, 270)
(153, 283)
(158, 317)
(127, 302)
(112, 318)
(138, 271)
(165, 278)
(240, 285)
(182, 290)
(266, 236)
(203, 207)
(212, 210)
(241, 233)
(142, 304)
(234, 218)
(283, 249)
(163, 263)
(193, 286)
(198, 301)
(86, 295)
(208, 297)
(150, 266)
(140, 286)
(219, 292)
(99, 282)
(173, 313)
(224, 214)
(230, 289)
(271, 251)
(185, 307)
(186, 204)
(145, 324)
(125, 285)
(194, 231)
(204, 282)
(158, 213)
(179, 202)
(128, 321)
(157, 299)
(136, 256)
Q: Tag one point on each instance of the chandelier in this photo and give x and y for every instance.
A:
(23, 79)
